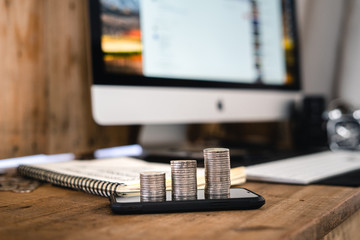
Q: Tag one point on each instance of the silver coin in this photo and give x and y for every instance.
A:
(184, 198)
(17, 184)
(152, 187)
(152, 199)
(217, 173)
(6, 187)
(22, 190)
(184, 179)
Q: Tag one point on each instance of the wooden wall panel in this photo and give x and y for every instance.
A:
(22, 80)
(68, 74)
(45, 81)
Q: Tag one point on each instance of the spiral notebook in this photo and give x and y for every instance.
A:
(106, 176)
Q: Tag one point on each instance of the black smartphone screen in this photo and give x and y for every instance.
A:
(240, 199)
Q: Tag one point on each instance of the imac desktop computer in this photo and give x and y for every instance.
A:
(158, 62)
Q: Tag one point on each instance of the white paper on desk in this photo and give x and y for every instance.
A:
(124, 170)
(305, 169)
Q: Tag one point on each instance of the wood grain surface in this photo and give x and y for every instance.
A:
(22, 79)
(290, 212)
(45, 81)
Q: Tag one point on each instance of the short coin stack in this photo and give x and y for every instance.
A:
(217, 173)
(152, 187)
(183, 180)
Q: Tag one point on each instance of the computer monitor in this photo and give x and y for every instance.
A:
(193, 61)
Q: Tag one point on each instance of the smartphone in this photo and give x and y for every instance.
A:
(240, 199)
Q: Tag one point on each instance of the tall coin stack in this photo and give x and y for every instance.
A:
(183, 180)
(217, 173)
(152, 187)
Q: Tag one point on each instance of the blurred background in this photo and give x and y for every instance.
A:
(45, 78)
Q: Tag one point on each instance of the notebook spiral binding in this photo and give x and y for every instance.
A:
(93, 186)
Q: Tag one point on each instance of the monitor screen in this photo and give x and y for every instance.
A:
(185, 61)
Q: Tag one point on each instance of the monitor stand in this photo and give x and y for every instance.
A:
(166, 142)
(162, 143)
(152, 136)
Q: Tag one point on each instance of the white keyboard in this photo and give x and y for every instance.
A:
(305, 169)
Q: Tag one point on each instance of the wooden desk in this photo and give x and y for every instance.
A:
(291, 212)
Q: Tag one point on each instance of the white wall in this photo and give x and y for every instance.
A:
(349, 77)
(319, 26)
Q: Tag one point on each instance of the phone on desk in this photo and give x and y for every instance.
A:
(240, 199)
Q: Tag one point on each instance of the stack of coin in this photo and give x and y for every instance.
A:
(183, 180)
(217, 173)
(152, 187)
(17, 184)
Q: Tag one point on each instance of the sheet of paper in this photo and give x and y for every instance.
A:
(126, 170)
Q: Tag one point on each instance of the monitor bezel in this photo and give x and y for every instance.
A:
(101, 77)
